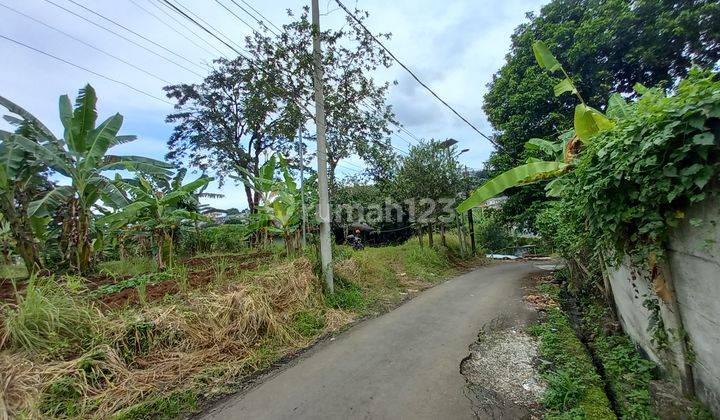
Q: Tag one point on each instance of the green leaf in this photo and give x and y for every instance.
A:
(565, 85)
(17, 109)
(516, 176)
(705, 139)
(121, 140)
(83, 119)
(101, 137)
(544, 57)
(589, 122)
(617, 107)
(549, 148)
(66, 117)
(198, 183)
(45, 154)
(52, 199)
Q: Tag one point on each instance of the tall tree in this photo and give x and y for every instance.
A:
(358, 118)
(427, 175)
(256, 102)
(608, 46)
(231, 118)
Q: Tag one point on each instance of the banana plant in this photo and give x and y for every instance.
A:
(82, 156)
(280, 199)
(587, 122)
(157, 212)
(22, 180)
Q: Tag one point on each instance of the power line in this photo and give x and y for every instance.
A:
(135, 33)
(168, 14)
(198, 18)
(86, 69)
(124, 37)
(176, 9)
(86, 44)
(259, 14)
(236, 16)
(171, 27)
(414, 76)
(262, 20)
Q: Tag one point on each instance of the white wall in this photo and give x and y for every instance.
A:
(692, 303)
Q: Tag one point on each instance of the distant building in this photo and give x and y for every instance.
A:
(495, 202)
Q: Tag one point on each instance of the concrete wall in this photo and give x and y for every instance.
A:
(688, 292)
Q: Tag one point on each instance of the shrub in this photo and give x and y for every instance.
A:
(47, 319)
(223, 238)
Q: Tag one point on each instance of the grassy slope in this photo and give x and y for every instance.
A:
(166, 357)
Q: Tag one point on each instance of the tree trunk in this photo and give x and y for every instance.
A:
(420, 236)
(24, 239)
(431, 242)
(83, 246)
(443, 239)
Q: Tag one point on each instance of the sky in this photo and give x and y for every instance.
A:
(453, 46)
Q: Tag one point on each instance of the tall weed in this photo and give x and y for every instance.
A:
(47, 319)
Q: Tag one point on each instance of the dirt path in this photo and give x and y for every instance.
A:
(404, 364)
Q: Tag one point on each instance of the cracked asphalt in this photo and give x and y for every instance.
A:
(404, 364)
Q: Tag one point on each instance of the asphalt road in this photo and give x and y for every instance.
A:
(402, 365)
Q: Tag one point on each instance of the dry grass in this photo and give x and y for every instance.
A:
(203, 341)
(169, 345)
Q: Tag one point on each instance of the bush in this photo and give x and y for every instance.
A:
(47, 320)
(223, 238)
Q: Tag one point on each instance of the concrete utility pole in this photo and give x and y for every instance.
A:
(324, 210)
(301, 153)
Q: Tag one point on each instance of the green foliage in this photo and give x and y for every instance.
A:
(635, 181)
(593, 39)
(61, 398)
(169, 406)
(46, 320)
(573, 385)
(308, 323)
(493, 235)
(82, 155)
(348, 295)
(627, 374)
(223, 238)
(518, 175)
(430, 171)
(138, 282)
(134, 266)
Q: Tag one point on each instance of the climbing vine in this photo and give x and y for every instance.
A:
(633, 183)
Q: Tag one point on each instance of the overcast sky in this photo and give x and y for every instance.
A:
(454, 46)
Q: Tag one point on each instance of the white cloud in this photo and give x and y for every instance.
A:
(454, 46)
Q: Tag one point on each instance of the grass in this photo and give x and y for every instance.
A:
(13, 272)
(575, 390)
(626, 372)
(46, 320)
(65, 358)
(134, 266)
(167, 406)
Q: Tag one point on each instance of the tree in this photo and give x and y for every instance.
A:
(357, 115)
(427, 175)
(81, 155)
(610, 45)
(279, 208)
(257, 102)
(231, 118)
